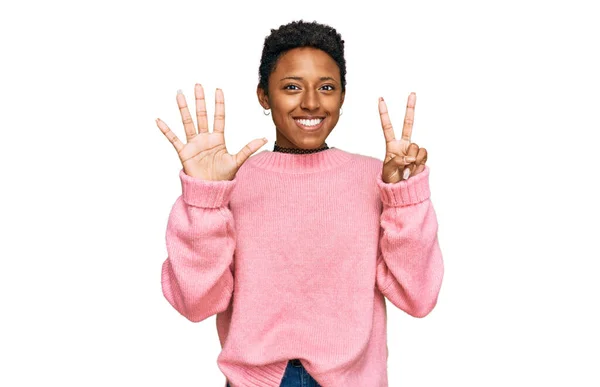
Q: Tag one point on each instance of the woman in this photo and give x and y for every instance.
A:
(294, 250)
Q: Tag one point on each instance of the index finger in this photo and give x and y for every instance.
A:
(409, 118)
(386, 124)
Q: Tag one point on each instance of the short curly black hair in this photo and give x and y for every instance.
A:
(300, 34)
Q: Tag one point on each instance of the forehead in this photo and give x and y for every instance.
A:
(306, 61)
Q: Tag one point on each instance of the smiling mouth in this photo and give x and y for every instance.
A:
(309, 124)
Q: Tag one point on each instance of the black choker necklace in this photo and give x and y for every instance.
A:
(277, 148)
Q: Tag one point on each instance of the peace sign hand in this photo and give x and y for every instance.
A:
(204, 155)
(402, 158)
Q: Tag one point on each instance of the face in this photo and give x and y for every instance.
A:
(305, 97)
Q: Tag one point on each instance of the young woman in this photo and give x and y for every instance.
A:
(296, 249)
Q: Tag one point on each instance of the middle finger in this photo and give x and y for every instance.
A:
(409, 118)
(201, 109)
(219, 125)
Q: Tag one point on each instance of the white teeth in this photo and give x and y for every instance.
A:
(312, 122)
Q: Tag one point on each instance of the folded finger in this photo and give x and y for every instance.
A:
(421, 156)
(401, 161)
(420, 162)
(413, 150)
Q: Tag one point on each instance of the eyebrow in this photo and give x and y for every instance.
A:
(301, 79)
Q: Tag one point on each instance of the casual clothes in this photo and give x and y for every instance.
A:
(295, 256)
(296, 376)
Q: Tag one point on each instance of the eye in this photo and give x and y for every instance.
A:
(331, 88)
(287, 87)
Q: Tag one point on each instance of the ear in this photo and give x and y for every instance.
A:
(342, 98)
(263, 99)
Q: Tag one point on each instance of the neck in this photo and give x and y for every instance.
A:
(278, 148)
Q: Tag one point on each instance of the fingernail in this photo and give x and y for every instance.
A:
(380, 99)
(179, 91)
(410, 159)
(406, 173)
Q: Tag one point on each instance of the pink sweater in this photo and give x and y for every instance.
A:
(295, 256)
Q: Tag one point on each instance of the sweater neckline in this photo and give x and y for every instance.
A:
(295, 163)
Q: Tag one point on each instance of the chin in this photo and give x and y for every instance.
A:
(311, 142)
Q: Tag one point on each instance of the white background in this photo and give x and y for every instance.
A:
(507, 107)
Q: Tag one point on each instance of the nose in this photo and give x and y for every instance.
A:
(310, 100)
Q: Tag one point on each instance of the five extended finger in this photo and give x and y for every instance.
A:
(219, 125)
(169, 135)
(386, 124)
(201, 109)
(248, 150)
(188, 123)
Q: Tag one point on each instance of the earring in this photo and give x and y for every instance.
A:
(341, 111)
(266, 112)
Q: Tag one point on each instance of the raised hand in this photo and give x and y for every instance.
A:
(402, 158)
(205, 155)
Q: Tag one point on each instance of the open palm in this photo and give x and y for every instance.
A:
(205, 155)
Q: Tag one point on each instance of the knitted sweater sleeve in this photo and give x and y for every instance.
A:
(197, 276)
(410, 267)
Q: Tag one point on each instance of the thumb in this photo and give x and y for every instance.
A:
(401, 161)
(248, 150)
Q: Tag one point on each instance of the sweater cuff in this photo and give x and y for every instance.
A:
(413, 190)
(205, 193)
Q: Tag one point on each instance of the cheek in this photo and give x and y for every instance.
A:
(332, 103)
(286, 104)
(283, 108)
(281, 118)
